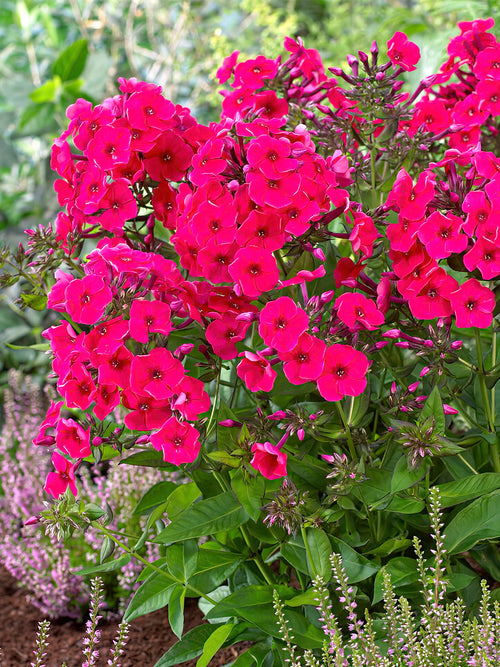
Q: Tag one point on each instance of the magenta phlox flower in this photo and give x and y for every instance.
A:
(252, 73)
(109, 147)
(115, 368)
(363, 235)
(411, 200)
(281, 323)
(256, 371)
(271, 156)
(147, 317)
(49, 423)
(304, 362)
(78, 387)
(73, 439)
(433, 299)
(358, 312)
(165, 205)
(106, 337)
(466, 139)
(304, 276)
(208, 162)
(148, 108)
(267, 106)
(473, 305)
(119, 205)
(298, 214)
(431, 116)
(263, 229)
(442, 235)
(217, 256)
(169, 158)
(488, 92)
(122, 259)
(64, 477)
(487, 65)
(91, 189)
(467, 111)
(402, 234)
(344, 373)
(214, 221)
(156, 373)
(179, 441)
(254, 270)
(190, 398)
(485, 256)
(405, 263)
(56, 298)
(147, 413)
(277, 192)
(87, 298)
(268, 460)
(224, 332)
(237, 103)
(225, 71)
(402, 52)
(85, 121)
(346, 272)
(107, 398)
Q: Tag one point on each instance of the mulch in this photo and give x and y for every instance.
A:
(149, 636)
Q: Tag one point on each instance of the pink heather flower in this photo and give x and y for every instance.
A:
(256, 372)
(473, 304)
(344, 373)
(73, 439)
(402, 52)
(87, 299)
(282, 322)
(304, 362)
(356, 311)
(179, 441)
(268, 460)
(155, 374)
(148, 317)
(254, 270)
(224, 332)
(57, 482)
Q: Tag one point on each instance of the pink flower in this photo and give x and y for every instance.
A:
(155, 374)
(254, 270)
(355, 310)
(256, 372)
(73, 439)
(179, 441)
(109, 147)
(268, 460)
(344, 373)
(282, 322)
(402, 52)
(148, 317)
(191, 400)
(442, 235)
(473, 304)
(304, 362)
(57, 482)
(433, 299)
(87, 299)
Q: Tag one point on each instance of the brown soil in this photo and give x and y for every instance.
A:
(149, 637)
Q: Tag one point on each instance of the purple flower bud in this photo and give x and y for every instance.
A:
(276, 416)
(96, 441)
(413, 386)
(457, 345)
(424, 371)
(301, 434)
(32, 521)
(338, 71)
(392, 333)
(379, 76)
(229, 423)
(319, 254)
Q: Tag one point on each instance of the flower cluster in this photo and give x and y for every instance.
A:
(222, 235)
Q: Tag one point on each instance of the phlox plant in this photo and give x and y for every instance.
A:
(294, 305)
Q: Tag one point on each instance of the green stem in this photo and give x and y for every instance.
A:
(154, 567)
(467, 464)
(347, 430)
(495, 458)
(374, 178)
(214, 406)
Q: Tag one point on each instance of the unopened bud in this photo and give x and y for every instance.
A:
(301, 434)
(96, 441)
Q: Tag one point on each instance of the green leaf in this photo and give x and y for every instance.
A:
(249, 492)
(71, 62)
(375, 487)
(478, 521)
(468, 488)
(308, 472)
(47, 91)
(154, 594)
(182, 559)
(181, 499)
(357, 567)
(110, 566)
(214, 643)
(320, 550)
(222, 512)
(213, 567)
(255, 604)
(176, 610)
(308, 597)
(107, 549)
(154, 496)
(404, 576)
(35, 301)
(404, 478)
(433, 407)
(405, 504)
(390, 546)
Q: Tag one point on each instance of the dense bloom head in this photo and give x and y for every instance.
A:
(268, 460)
